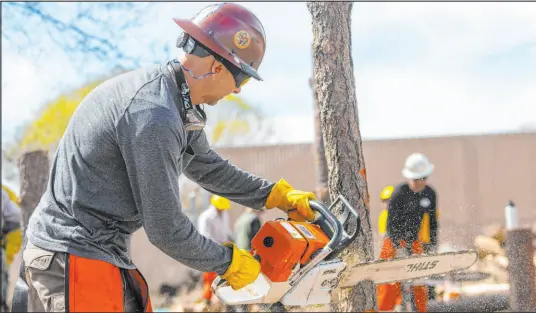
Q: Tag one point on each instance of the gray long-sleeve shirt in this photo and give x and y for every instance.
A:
(117, 168)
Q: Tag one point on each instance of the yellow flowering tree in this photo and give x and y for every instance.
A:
(232, 118)
(46, 130)
(235, 122)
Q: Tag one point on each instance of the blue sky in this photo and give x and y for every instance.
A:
(421, 68)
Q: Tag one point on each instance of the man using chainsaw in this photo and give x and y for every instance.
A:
(117, 168)
(408, 204)
(213, 223)
(11, 237)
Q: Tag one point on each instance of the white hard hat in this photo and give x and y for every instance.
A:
(417, 166)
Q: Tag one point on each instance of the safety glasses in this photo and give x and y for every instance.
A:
(240, 77)
(194, 47)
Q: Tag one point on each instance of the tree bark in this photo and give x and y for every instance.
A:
(322, 191)
(336, 96)
(34, 167)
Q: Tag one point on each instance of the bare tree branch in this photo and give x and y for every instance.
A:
(88, 33)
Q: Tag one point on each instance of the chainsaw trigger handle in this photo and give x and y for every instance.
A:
(330, 220)
(218, 283)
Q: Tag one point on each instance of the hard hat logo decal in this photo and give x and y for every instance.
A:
(242, 39)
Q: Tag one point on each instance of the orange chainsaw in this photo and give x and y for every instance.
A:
(300, 263)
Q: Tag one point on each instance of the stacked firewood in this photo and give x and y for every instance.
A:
(490, 247)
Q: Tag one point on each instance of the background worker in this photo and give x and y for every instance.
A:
(424, 232)
(246, 227)
(407, 206)
(213, 223)
(11, 238)
(385, 195)
(117, 169)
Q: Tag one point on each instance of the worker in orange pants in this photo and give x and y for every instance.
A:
(385, 196)
(208, 278)
(412, 208)
(390, 295)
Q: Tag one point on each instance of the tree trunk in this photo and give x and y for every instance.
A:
(336, 96)
(322, 192)
(34, 167)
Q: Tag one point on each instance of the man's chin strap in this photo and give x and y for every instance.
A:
(192, 74)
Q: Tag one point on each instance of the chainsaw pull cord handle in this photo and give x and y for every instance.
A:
(336, 225)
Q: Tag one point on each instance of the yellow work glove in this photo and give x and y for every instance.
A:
(293, 202)
(13, 242)
(244, 268)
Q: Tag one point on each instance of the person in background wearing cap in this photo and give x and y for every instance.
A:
(408, 204)
(117, 169)
(385, 195)
(213, 223)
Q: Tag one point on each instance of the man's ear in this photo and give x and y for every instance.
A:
(217, 67)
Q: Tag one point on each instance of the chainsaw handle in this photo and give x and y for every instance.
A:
(330, 220)
(348, 215)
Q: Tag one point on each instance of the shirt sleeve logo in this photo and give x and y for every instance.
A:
(425, 202)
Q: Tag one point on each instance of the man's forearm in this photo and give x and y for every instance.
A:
(221, 177)
(187, 246)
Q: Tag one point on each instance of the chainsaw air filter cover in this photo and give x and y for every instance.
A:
(283, 244)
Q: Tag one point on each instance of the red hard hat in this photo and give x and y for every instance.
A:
(231, 31)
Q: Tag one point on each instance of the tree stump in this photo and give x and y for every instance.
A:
(34, 170)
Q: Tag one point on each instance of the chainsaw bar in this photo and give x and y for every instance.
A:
(408, 268)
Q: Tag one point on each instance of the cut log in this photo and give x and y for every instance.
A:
(501, 261)
(495, 231)
(499, 274)
(487, 246)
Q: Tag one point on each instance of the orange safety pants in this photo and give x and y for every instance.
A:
(63, 282)
(97, 286)
(391, 294)
(208, 278)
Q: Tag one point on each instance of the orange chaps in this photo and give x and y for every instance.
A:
(391, 294)
(98, 286)
(208, 278)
